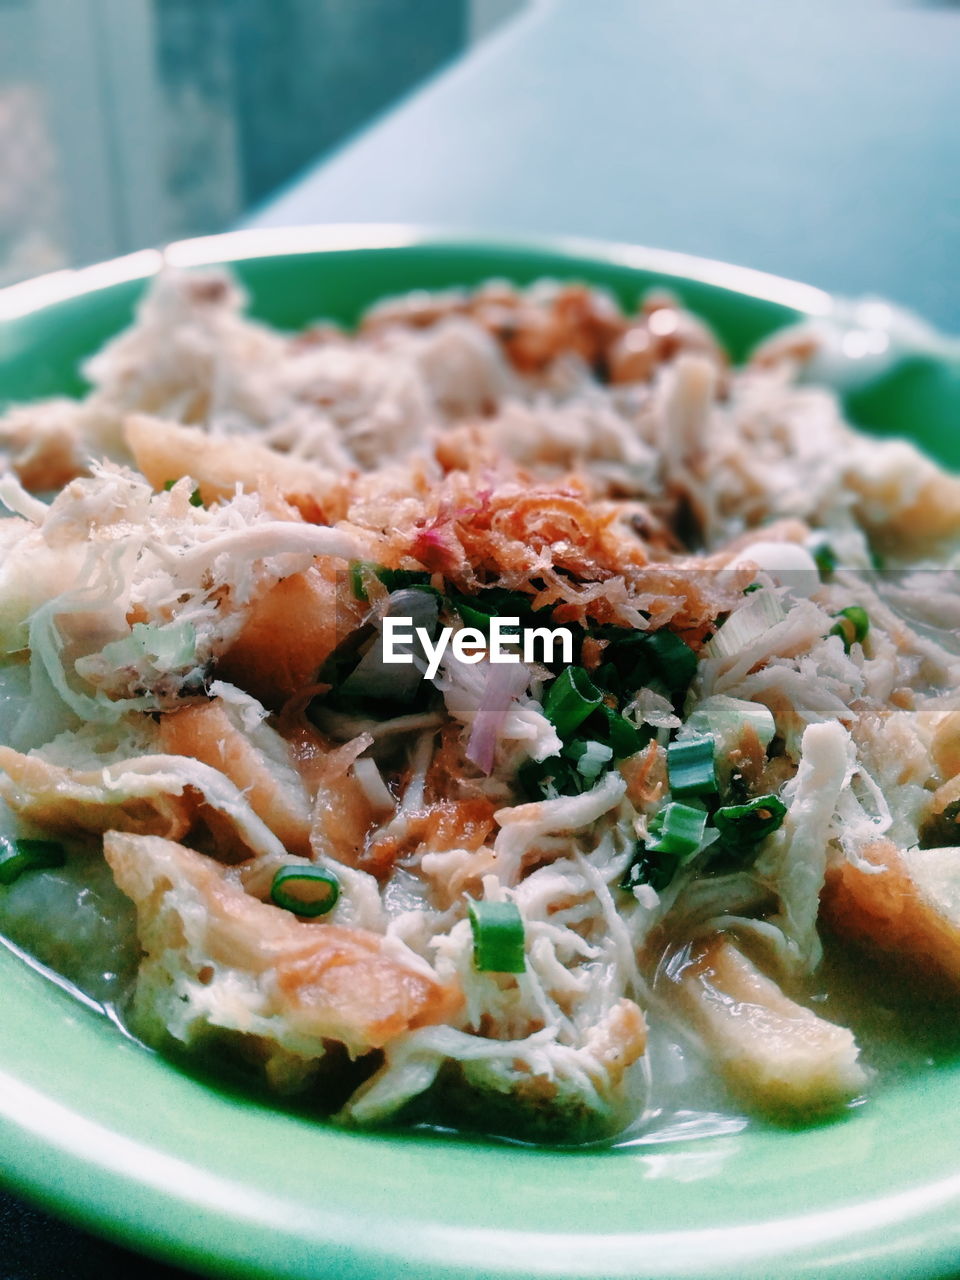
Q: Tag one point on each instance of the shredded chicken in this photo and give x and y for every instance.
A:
(446, 889)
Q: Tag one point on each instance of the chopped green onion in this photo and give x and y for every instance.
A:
(625, 738)
(674, 660)
(570, 699)
(392, 579)
(754, 586)
(691, 766)
(640, 655)
(626, 652)
(753, 619)
(18, 856)
(725, 719)
(471, 617)
(648, 867)
(195, 498)
(853, 626)
(304, 890)
(474, 618)
(498, 937)
(607, 678)
(590, 757)
(402, 579)
(678, 829)
(557, 775)
(825, 558)
(742, 829)
(748, 824)
(496, 602)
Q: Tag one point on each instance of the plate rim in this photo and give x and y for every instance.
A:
(933, 1204)
(27, 296)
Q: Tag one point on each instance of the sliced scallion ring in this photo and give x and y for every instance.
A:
(853, 626)
(825, 558)
(306, 891)
(498, 937)
(570, 699)
(691, 766)
(678, 829)
(18, 856)
(625, 739)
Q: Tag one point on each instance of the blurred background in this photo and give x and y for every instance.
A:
(816, 140)
(125, 123)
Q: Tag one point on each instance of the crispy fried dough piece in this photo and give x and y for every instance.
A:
(72, 801)
(911, 508)
(502, 1097)
(269, 781)
(290, 631)
(166, 451)
(43, 443)
(772, 1051)
(242, 963)
(908, 908)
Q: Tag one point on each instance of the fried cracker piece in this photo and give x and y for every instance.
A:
(165, 451)
(779, 1056)
(216, 957)
(907, 908)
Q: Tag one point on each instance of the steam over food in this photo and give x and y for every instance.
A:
(494, 895)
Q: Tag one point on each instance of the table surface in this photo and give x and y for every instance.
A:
(818, 141)
(815, 140)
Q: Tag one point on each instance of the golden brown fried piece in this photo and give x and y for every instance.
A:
(165, 451)
(450, 824)
(43, 443)
(290, 631)
(907, 908)
(663, 331)
(324, 981)
(270, 782)
(72, 800)
(777, 1055)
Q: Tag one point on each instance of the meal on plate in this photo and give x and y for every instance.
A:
(480, 719)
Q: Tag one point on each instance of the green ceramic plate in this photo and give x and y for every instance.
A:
(100, 1129)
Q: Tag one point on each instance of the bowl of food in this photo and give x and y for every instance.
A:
(480, 762)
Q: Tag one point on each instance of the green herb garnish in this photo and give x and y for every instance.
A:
(498, 937)
(748, 824)
(691, 766)
(853, 626)
(19, 856)
(304, 890)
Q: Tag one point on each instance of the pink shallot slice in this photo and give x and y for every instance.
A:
(505, 682)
